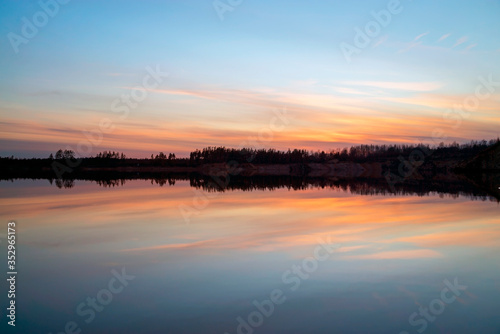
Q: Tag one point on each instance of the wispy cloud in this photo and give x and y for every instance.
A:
(416, 42)
(460, 41)
(470, 47)
(442, 38)
(420, 36)
(398, 254)
(410, 46)
(393, 85)
(351, 91)
(380, 41)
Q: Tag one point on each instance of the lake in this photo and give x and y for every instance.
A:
(142, 258)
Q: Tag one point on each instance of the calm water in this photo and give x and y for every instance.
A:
(281, 261)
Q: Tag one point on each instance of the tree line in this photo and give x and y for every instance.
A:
(358, 153)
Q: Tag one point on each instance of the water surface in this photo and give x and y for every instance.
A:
(201, 260)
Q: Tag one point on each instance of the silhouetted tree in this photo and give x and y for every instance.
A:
(68, 154)
(59, 154)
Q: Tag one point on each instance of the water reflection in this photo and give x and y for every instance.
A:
(479, 186)
(395, 254)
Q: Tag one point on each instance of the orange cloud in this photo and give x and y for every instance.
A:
(400, 254)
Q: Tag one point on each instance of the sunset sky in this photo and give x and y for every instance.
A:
(248, 73)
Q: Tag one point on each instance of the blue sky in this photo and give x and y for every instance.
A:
(227, 76)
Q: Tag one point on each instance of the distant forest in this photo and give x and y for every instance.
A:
(211, 155)
(359, 154)
(472, 168)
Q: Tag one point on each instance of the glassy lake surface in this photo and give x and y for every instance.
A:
(391, 256)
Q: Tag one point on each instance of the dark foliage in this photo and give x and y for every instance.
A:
(359, 154)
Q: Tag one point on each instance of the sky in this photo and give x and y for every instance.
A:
(142, 77)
